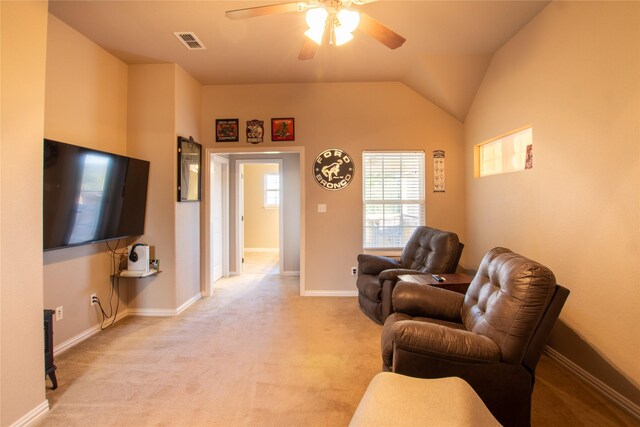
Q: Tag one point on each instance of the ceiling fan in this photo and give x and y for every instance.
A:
(330, 22)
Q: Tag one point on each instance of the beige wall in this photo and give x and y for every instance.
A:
(152, 136)
(573, 74)
(188, 105)
(353, 117)
(86, 105)
(164, 102)
(261, 225)
(23, 36)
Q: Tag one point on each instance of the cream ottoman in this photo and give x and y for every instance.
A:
(397, 400)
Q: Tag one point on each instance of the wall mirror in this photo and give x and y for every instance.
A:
(189, 155)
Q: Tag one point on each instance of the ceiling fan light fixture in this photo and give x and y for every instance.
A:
(315, 33)
(317, 17)
(348, 19)
(341, 36)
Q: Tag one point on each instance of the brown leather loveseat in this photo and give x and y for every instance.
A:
(428, 250)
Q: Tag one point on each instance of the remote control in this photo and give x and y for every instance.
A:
(438, 278)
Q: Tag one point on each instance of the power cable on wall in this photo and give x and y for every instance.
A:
(116, 260)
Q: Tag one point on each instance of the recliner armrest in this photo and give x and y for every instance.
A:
(393, 273)
(427, 301)
(374, 264)
(439, 341)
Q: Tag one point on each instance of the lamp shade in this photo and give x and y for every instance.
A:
(341, 36)
(349, 19)
(317, 17)
(315, 34)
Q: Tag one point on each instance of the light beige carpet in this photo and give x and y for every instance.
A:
(256, 354)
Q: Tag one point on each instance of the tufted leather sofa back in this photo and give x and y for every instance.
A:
(432, 250)
(506, 300)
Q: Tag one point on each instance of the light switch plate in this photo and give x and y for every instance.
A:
(322, 208)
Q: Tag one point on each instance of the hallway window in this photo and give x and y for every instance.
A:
(393, 197)
(510, 153)
(271, 191)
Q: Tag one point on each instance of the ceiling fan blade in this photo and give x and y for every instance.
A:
(380, 32)
(308, 50)
(271, 9)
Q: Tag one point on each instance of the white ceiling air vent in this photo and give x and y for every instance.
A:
(190, 40)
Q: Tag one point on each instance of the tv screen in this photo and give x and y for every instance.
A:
(91, 196)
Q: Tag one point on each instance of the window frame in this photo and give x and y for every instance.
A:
(507, 153)
(414, 199)
(271, 177)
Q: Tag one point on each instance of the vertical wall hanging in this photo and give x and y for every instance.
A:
(189, 154)
(438, 171)
(528, 163)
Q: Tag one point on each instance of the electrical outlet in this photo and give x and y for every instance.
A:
(354, 271)
(94, 299)
(59, 313)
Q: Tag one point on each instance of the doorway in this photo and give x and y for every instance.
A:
(292, 205)
(259, 216)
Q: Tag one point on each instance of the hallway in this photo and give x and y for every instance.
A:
(261, 262)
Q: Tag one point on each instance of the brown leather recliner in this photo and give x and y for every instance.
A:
(492, 337)
(428, 250)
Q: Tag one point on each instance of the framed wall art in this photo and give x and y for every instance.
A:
(255, 131)
(438, 171)
(283, 129)
(227, 130)
(189, 155)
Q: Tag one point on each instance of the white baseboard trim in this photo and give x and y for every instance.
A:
(604, 389)
(261, 249)
(188, 303)
(152, 312)
(290, 273)
(329, 293)
(33, 416)
(164, 312)
(66, 345)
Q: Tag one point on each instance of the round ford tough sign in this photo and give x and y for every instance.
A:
(333, 169)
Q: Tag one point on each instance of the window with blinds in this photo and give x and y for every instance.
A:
(393, 197)
(271, 190)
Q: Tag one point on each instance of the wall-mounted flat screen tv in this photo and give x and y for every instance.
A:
(91, 196)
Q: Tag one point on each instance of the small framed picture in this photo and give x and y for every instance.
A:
(283, 129)
(255, 131)
(226, 130)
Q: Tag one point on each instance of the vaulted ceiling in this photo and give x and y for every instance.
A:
(448, 49)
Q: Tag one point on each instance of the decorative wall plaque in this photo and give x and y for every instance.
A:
(333, 169)
(528, 163)
(255, 131)
(227, 130)
(283, 129)
(438, 171)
